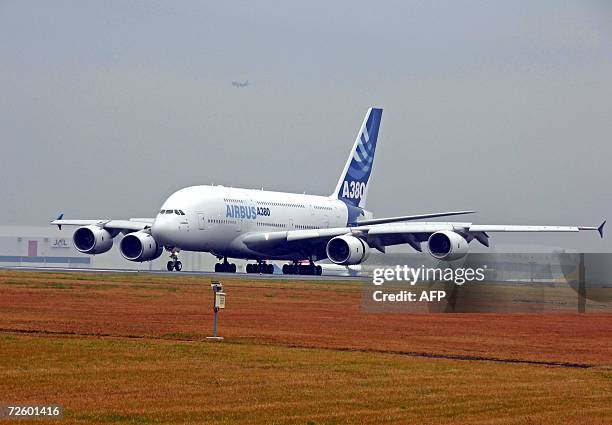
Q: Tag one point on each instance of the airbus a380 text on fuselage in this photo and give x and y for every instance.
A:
(260, 225)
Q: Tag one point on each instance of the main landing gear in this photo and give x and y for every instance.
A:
(303, 269)
(225, 267)
(260, 267)
(174, 263)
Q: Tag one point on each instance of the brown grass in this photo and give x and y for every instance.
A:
(132, 349)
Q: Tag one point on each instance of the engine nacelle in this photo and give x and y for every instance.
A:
(347, 250)
(140, 246)
(92, 240)
(447, 245)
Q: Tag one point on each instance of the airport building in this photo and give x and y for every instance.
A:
(47, 246)
(39, 246)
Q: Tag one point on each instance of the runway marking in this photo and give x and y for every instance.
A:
(186, 273)
(416, 354)
(459, 357)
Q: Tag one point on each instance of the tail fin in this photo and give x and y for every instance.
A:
(352, 188)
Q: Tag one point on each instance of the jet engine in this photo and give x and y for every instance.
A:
(92, 240)
(347, 250)
(447, 245)
(140, 246)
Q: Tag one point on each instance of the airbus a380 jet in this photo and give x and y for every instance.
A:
(259, 225)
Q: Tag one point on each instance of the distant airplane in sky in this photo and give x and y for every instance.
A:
(259, 225)
(240, 84)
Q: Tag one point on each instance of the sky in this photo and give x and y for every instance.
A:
(108, 107)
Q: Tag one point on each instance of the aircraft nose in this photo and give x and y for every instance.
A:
(162, 230)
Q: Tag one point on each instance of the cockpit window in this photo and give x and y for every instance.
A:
(177, 212)
(181, 212)
(162, 212)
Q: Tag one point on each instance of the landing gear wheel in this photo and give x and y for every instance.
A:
(303, 269)
(174, 263)
(225, 267)
(261, 268)
(291, 269)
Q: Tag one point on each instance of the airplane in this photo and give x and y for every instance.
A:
(261, 226)
(239, 84)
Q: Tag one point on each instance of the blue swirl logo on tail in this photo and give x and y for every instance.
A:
(353, 185)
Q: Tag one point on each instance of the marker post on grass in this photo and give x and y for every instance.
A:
(218, 303)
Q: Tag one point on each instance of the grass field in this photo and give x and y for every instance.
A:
(132, 349)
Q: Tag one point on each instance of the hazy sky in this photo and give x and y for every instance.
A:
(503, 107)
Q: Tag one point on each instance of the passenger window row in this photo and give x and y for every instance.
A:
(221, 221)
(305, 227)
(280, 204)
(271, 225)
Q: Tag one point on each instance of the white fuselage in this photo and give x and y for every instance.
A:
(216, 218)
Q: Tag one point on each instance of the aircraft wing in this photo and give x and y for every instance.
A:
(381, 235)
(131, 225)
(415, 233)
(410, 217)
(524, 228)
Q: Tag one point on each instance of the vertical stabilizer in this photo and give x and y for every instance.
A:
(352, 188)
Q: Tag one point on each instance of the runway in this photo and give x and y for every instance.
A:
(186, 273)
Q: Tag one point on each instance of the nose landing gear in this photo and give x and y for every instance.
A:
(174, 263)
